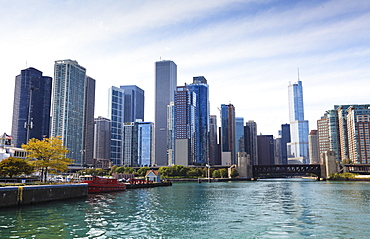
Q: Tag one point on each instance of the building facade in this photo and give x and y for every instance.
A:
(313, 147)
(250, 141)
(88, 142)
(165, 87)
(358, 128)
(239, 124)
(214, 152)
(102, 138)
(202, 113)
(298, 147)
(31, 108)
(145, 143)
(266, 151)
(116, 115)
(68, 110)
(228, 135)
(184, 124)
(133, 104)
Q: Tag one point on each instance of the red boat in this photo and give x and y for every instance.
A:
(99, 184)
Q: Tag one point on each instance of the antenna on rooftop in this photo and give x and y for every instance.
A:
(298, 72)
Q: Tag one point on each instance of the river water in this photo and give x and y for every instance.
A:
(285, 208)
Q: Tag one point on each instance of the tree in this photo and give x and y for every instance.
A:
(216, 174)
(234, 173)
(194, 172)
(47, 155)
(223, 173)
(346, 161)
(142, 171)
(15, 167)
(164, 171)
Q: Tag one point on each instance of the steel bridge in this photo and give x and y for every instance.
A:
(289, 169)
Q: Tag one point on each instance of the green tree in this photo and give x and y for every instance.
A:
(216, 174)
(47, 155)
(194, 172)
(142, 171)
(113, 169)
(164, 171)
(346, 161)
(223, 173)
(15, 167)
(234, 173)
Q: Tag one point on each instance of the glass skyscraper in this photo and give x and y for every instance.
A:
(31, 109)
(239, 123)
(145, 143)
(228, 135)
(184, 125)
(165, 87)
(69, 107)
(298, 147)
(102, 138)
(126, 105)
(115, 114)
(202, 114)
(88, 143)
(133, 104)
(250, 141)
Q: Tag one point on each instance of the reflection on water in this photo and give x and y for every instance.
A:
(262, 209)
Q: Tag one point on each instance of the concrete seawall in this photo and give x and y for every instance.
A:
(12, 196)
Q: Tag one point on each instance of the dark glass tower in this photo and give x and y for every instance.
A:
(165, 87)
(133, 106)
(88, 144)
(31, 109)
(228, 135)
(202, 114)
(184, 122)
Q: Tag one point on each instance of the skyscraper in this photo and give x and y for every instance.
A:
(102, 138)
(228, 135)
(115, 114)
(202, 112)
(298, 147)
(145, 143)
(250, 141)
(133, 106)
(214, 153)
(313, 146)
(129, 148)
(165, 87)
(31, 109)
(88, 143)
(285, 139)
(358, 128)
(239, 134)
(69, 107)
(184, 122)
(265, 146)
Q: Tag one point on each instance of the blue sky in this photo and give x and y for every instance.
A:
(248, 51)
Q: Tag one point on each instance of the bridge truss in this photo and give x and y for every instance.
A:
(290, 169)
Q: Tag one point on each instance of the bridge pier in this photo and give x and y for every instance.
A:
(328, 164)
(244, 166)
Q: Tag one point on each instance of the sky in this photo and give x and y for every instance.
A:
(249, 50)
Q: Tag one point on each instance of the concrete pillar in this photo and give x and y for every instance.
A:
(328, 164)
(244, 166)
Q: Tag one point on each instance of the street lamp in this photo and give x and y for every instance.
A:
(208, 166)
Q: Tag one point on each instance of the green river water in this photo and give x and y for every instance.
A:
(280, 208)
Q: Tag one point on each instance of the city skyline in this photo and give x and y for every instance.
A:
(248, 51)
